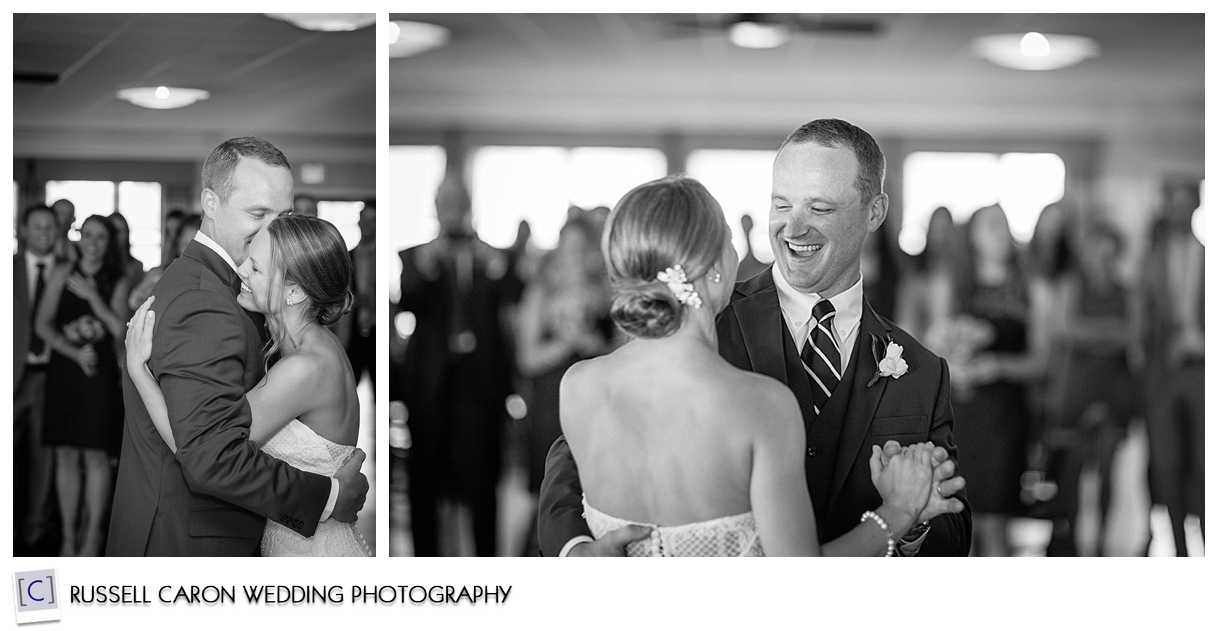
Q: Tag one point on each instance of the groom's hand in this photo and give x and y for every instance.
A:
(945, 484)
(613, 544)
(352, 488)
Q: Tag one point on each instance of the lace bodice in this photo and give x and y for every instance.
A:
(307, 450)
(730, 536)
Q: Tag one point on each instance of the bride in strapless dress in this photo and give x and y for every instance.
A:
(666, 434)
(305, 410)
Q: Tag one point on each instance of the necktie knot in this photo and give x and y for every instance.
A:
(822, 311)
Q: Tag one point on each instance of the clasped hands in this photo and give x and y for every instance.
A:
(920, 478)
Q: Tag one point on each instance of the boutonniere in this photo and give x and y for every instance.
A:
(888, 360)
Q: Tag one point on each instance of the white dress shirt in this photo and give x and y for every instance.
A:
(210, 244)
(797, 310)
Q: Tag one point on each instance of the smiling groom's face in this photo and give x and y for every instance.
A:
(260, 193)
(819, 219)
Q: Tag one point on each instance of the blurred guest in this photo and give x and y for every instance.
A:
(304, 204)
(169, 232)
(81, 315)
(1172, 304)
(881, 272)
(33, 463)
(925, 294)
(187, 227)
(990, 397)
(524, 259)
(563, 318)
(749, 265)
(458, 371)
(361, 334)
(65, 210)
(1092, 397)
(133, 269)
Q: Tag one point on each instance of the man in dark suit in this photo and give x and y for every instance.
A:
(457, 371)
(33, 464)
(214, 496)
(827, 196)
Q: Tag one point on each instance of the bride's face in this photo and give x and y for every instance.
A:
(257, 275)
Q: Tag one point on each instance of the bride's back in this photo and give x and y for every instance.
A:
(663, 431)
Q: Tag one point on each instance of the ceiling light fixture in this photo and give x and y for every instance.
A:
(749, 34)
(1035, 51)
(409, 38)
(162, 97)
(329, 22)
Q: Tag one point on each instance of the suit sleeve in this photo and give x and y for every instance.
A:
(202, 350)
(560, 511)
(950, 534)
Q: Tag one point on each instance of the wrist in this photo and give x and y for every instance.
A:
(899, 519)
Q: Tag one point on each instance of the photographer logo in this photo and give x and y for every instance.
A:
(36, 596)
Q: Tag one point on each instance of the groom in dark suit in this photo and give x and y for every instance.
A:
(213, 497)
(806, 323)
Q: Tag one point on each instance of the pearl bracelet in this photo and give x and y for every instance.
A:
(879, 521)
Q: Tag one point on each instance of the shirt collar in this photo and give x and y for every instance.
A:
(797, 306)
(208, 243)
(32, 259)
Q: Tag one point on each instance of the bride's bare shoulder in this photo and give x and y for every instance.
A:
(762, 399)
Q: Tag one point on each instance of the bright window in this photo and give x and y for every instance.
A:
(741, 182)
(139, 202)
(538, 184)
(345, 217)
(1022, 183)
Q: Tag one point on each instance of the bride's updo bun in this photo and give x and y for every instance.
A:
(656, 226)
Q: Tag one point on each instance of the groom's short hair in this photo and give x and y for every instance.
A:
(839, 134)
(220, 164)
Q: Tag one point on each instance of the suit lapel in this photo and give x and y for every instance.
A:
(863, 400)
(761, 326)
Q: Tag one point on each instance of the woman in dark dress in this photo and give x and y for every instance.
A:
(990, 401)
(82, 313)
(1095, 393)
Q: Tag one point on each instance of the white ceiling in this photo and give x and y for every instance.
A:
(266, 78)
(637, 74)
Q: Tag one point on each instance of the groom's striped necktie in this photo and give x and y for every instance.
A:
(821, 356)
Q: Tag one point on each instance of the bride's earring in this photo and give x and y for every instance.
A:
(715, 277)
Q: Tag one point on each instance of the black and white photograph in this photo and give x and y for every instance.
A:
(193, 287)
(796, 284)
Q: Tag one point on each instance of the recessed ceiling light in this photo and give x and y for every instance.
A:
(1035, 51)
(326, 21)
(748, 34)
(409, 38)
(162, 97)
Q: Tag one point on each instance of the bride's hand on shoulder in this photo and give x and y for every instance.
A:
(904, 481)
(139, 336)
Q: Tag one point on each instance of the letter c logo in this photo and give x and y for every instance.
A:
(29, 591)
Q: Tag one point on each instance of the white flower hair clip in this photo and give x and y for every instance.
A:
(674, 277)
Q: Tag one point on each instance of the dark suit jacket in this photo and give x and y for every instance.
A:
(22, 315)
(428, 367)
(214, 496)
(914, 408)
